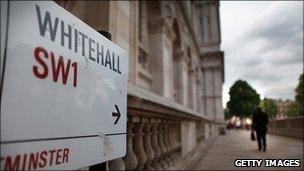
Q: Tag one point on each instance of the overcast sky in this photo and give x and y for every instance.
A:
(263, 44)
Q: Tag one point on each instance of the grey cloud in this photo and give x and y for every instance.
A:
(281, 29)
(297, 57)
(261, 75)
(253, 62)
(269, 54)
(280, 92)
(280, 21)
(282, 55)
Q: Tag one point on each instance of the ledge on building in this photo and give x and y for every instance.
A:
(142, 99)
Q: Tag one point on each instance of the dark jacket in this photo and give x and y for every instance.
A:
(259, 120)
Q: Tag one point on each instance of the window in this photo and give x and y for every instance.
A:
(143, 59)
(143, 72)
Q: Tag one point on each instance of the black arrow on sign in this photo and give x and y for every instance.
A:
(116, 114)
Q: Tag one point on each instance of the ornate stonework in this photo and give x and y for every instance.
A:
(175, 75)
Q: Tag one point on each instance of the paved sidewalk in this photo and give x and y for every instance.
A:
(236, 144)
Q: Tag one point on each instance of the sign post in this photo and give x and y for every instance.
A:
(63, 102)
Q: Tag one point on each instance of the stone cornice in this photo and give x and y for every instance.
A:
(162, 25)
(217, 56)
(143, 101)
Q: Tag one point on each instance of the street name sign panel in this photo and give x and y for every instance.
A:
(63, 100)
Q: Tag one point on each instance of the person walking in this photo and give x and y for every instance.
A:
(259, 124)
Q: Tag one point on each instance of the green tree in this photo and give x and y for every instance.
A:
(269, 106)
(293, 109)
(300, 94)
(243, 99)
(296, 108)
(227, 113)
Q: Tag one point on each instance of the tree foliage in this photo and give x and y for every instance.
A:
(293, 109)
(243, 99)
(296, 108)
(227, 113)
(269, 106)
(300, 94)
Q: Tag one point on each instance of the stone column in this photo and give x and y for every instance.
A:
(130, 159)
(173, 141)
(161, 144)
(167, 143)
(116, 164)
(160, 44)
(178, 138)
(168, 132)
(147, 146)
(157, 153)
(138, 145)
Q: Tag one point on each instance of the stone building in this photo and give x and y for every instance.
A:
(176, 72)
(282, 108)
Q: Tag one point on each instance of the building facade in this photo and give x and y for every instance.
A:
(176, 72)
(282, 108)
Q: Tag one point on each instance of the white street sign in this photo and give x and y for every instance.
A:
(63, 101)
